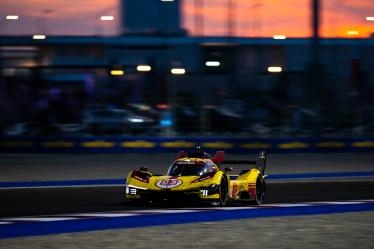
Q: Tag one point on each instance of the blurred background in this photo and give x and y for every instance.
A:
(170, 68)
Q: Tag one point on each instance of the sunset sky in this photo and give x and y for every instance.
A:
(253, 17)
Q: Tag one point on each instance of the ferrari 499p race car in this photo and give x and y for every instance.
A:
(199, 176)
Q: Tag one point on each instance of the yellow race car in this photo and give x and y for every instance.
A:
(199, 176)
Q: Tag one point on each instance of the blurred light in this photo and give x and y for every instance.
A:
(19, 48)
(352, 32)
(162, 106)
(279, 37)
(9, 71)
(107, 18)
(274, 69)
(141, 107)
(39, 37)
(167, 0)
(12, 17)
(166, 123)
(178, 71)
(212, 63)
(370, 18)
(117, 72)
(144, 68)
(136, 120)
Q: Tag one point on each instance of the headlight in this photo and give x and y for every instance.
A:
(132, 190)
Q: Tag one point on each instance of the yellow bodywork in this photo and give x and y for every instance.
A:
(245, 183)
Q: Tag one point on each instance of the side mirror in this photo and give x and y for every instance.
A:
(229, 169)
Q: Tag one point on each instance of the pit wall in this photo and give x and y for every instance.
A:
(165, 145)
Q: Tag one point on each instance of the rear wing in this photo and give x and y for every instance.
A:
(260, 162)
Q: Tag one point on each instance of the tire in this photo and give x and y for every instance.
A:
(223, 192)
(260, 191)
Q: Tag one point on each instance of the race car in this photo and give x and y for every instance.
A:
(197, 176)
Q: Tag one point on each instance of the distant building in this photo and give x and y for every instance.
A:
(151, 17)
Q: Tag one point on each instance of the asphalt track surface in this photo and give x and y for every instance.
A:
(47, 201)
(296, 178)
(65, 200)
(60, 200)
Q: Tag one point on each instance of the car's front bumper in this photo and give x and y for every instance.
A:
(169, 195)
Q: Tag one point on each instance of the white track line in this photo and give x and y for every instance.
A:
(39, 219)
(63, 217)
(287, 205)
(103, 215)
(63, 186)
(167, 211)
(339, 203)
(368, 200)
(232, 208)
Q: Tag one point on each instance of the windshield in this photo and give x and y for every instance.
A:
(187, 168)
(191, 168)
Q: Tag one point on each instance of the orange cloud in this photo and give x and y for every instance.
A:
(289, 17)
(253, 18)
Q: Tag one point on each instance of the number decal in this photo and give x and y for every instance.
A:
(169, 183)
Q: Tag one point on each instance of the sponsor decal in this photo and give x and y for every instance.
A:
(140, 179)
(189, 162)
(205, 177)
(169, 183)
(234, 190)
(140, 176)
(253, 194)
(252, 190)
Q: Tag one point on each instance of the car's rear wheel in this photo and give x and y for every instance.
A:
(260, 191)
(223, 192)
